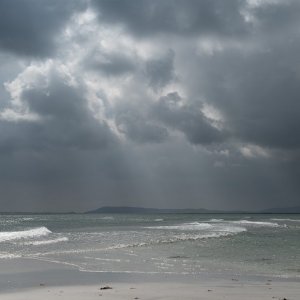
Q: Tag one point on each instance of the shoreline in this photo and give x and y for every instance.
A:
(34, 279)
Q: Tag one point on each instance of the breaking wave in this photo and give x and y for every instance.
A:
(185, 226)
(24, 234)
(256, 223)
(289, 220)
(216, 220)
(9, 256)
(180, 238)
(47, 242)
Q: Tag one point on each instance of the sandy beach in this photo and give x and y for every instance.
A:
(203, 290)
(30, 279)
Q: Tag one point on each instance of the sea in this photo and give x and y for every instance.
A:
(235, 244)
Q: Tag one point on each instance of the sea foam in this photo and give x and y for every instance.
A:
(9, 256)
(184, 226)
(46, 242)
(289, 220)
(183, 237)
(24, 234)
(256, 223)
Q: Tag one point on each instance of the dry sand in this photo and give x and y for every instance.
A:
(233, 290)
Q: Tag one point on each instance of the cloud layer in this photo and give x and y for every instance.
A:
(149, 103)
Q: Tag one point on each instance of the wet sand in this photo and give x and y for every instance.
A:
(29, 279)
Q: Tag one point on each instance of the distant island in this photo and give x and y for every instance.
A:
(143, 210)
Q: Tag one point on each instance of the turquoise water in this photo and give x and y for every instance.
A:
(174, 243)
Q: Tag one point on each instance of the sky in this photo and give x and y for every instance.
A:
(168, 104)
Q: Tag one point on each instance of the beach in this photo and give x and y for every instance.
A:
(161, 291)
(28, 279)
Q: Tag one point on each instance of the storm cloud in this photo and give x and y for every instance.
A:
(149, 103)
(191, 17)
(31, 27)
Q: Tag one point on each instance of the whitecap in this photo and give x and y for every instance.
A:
(289, 220)
(47, 242)
(184, 226)
(9, 256)
(255, 223)
(183, 238)
(107, 218)
(30, 233)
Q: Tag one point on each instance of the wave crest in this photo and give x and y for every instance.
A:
(46, 242)
(185, 226)
(256, 223)
(24, 234)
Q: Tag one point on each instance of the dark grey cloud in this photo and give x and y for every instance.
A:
(160, 71)
(258, 93)
(65, 121)
(110, 64)
(139, 129)
(172, 112)
(146, 17)
(277, 18)
(57, 160)
(30, 27)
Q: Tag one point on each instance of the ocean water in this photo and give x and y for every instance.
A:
(174, 243)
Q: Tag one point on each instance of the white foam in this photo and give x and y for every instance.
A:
(47, 242)
(106, 259)
(216, 220)
(213, 232)
(255, 223)
(231, 229)
(289, 220)
(179, 238)
(185, 237)
(184, 226)
(107, 218)
(30, 233)
(8, 256)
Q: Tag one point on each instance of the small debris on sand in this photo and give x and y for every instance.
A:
(178, 256)
(209, 290)
(106, 288)
(42, 284)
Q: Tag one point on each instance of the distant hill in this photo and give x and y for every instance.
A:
(138, 210)
(283, 210)
(143, 210)
(128, 209)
